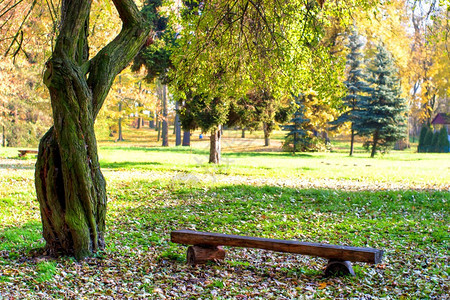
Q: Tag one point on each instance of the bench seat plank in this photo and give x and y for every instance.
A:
(360, 254)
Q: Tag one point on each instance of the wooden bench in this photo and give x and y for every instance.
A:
(25, 152)
(207, 247)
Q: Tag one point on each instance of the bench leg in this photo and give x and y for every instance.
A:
(339, 268)
(200, 255)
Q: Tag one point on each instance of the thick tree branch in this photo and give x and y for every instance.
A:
(128, 12)
(115, 56)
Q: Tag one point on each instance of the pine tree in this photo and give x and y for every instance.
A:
(297, 134)
(423, 133)
(443, 144)
(382, 113)
(434, 142)
(427, 141)
(356, 86)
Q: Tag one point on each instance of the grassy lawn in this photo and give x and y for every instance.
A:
(398, 202)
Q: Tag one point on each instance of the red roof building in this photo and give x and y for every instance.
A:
(441, 119)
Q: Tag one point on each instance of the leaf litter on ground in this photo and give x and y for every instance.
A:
(409, 222)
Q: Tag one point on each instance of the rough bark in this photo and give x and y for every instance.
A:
(214, 150)
(69, 184)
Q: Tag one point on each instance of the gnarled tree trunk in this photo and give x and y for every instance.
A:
(69, 184)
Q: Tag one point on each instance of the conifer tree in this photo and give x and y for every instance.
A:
(423, 133)
(443, 144)
(356, 86)
(297, 134)
(428, 140)
(382, 113)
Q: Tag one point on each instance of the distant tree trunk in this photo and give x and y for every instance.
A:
(352, 140)
(266, 135)
(70, 187)
(243, 133)
(374, 144)
(120, 137)
(214, 150)
(3, 137)
(177, 126)
(138, 123)
(186, 138)
(165, 125)
(158, 128)
(151, 122)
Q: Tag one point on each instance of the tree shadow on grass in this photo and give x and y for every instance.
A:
(187, 150)
(127, 165)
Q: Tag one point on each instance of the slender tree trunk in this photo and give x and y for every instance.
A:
(165, 125)
(120, 137)
(3, 137)
(352, 140)
(243, 133)
(186, 138)
(70, 187)
(158, 128)
(266, 135)
(138, 123)
(214, 150)
(177, 126)
(151, 122)
(374, 144)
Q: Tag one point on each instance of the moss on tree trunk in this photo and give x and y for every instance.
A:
(69, 184)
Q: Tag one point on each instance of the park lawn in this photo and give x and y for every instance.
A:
(328, 198)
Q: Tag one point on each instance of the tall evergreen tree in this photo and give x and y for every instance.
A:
(356, 86)
(297, 135)
(423, 133)
(443, 144)
(382, 113)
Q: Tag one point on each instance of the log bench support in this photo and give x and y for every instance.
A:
(207, 247)
(22, 153)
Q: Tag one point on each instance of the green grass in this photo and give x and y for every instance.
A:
(397, 202)
(409, 168)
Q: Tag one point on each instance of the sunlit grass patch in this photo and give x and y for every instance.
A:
(331, 198)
